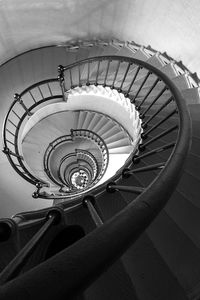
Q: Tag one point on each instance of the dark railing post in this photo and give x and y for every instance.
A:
(16, 265)
(112, 187)
(88, 202)
(61, 78)
(7, 229)
(18, 98)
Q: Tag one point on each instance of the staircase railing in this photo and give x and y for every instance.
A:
(127, 76)
(102, 247)
(21, 109)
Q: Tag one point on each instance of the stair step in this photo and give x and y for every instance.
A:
(95, 120)
(185, 215)
(100, 123)
(111, 131)
(130, 181)
(87, 121)
(191, 95)
(169, 70)
(117, 137)
(149, 273)
(194, 110)
(189, 187)
(119, 144)
(156, 157)
(172, 136)
(140, 54)
(177, 250)
(121, 149)
(155, 61)
(195, 148)
(106, 128)
(81, 119)
(112, 284)
(192, 164)
(126, 51)
(160, 116)
(181, 82)
(145, 178)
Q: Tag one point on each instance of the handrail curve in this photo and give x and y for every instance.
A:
(101, 247)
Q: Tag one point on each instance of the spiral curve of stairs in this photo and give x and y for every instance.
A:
(138, 122)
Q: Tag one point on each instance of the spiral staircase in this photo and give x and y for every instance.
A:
(106, 141)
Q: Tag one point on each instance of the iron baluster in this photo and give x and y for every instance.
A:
(18, 98)
(12, 123)
(16, 114)
(153, 102)
(16, 265)
(125, 74)
(70, 76)
(97, 74)
(7, 151)
(61, 80)
(10, 132)
(127, 172)
(137, 158)
(116, 72)
(106, 75)
(141, 86)
(40, 92)
(149, 92)
(10, 142)
(79, 76)
(157, 124)
(32, 96)
(133, 80)
(88, 74)
(50, 91)
(112, 187)
(165, 132)
(88, 202)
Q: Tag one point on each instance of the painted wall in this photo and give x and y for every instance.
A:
(171, 26)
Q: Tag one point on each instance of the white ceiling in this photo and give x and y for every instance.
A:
(172, 26)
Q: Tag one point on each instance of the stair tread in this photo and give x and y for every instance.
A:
(181, 82)
(146, 268)
(140, 54)
(121, 149)
(185, 215)
(155, 61)
(169, 70)
(126, 51)
(112, 284)
(191, 95)
(176, 249)
(189, 186)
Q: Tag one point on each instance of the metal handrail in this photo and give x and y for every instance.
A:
(25, 172)
(139, 65)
